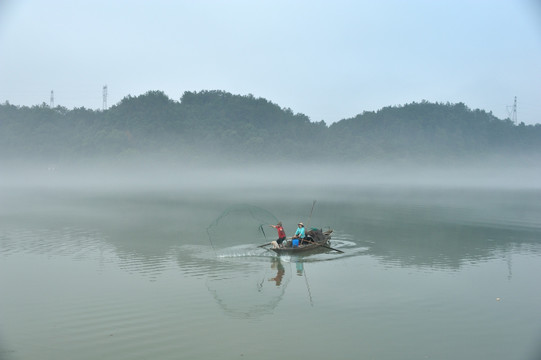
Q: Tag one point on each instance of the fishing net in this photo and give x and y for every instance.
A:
(242, 224)
(250, 289)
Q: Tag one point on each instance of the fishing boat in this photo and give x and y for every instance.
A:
(316, 239)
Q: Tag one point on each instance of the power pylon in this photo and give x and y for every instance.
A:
(514, 116)
(513, 112)
(104, 98)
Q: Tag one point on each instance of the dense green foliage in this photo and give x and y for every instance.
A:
(221, 126)
(433, 131)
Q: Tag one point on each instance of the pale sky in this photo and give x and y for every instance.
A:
(329, 60)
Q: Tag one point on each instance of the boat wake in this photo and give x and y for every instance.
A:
(243, 251)
(340, 241)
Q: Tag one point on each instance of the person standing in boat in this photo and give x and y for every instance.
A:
(281, 235)
(300, 234)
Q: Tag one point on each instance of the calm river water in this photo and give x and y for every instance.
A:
(116, 273)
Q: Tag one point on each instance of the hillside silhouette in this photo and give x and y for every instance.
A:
(217, 125)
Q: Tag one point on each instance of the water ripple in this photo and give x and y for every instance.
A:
(73, 242)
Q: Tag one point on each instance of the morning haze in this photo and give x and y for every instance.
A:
(141, 230)
(135, 232)
(214, 137)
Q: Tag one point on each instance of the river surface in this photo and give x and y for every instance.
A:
(147, 273)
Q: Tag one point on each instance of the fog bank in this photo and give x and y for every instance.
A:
(268, 177)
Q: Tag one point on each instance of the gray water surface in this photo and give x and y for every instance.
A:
(426, 273)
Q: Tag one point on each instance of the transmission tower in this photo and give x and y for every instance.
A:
(104, 98)
(513, 113)
(51, 103)
(514, 116)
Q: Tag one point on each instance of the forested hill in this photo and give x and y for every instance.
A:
(216, 125)
(434, 130)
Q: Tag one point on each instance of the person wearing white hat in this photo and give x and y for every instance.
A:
(299, 234)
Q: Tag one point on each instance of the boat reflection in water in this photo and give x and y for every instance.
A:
(253, 286)
(254, 291)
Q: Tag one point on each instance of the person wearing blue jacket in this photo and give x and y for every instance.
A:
(300, 234)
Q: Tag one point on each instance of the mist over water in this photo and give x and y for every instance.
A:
(513, 172)
(153, 260)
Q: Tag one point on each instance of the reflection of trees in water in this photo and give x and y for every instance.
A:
(440, 245)
(435, 231)
(151, 232)
(438, 229)
(427, 237)
(143, 230)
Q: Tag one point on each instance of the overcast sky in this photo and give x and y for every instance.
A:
(329, 60)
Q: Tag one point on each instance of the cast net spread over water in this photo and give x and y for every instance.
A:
(250, 288)
(240, 225)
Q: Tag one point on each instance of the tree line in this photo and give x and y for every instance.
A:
(217, 125)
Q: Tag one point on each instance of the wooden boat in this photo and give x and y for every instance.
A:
(316, 239)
